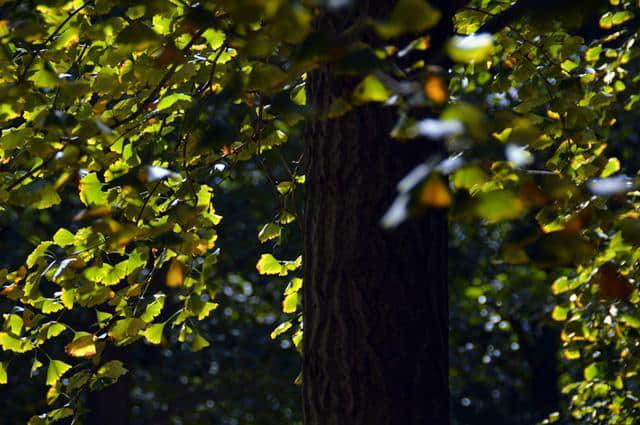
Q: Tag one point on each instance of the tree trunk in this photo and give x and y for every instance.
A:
(375, 300)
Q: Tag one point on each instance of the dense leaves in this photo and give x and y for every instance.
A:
(120, 120)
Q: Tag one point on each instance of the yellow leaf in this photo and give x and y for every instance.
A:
(435, 193)
(83, 346)
(176, 273)
(3, 373)
(268, 265)
(436, 89)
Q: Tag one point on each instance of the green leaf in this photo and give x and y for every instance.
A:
(9, 342)
(560, 286)
(560, 313)
(13, 138)
(371, 90)
(50, 330)
(125, 331)
(290, 303)
(51, 305)
(169, 101)
(154, 308)
(269, 231)
(63, 237)
(214, 37)
(56, 369)
(631, 320)
(58, 414)
(3, 373)
(294, 286)
(67, 297)
(269, 265)
(199, 343)
(14, 324)
(113, 369)
(612, 167)
(499, 205)
(139, 36)
(37, 364)
(591, 371)
(45, 76)
(91, 193)
(38, 194)
(282, 328)
(568, 65)
(196, 306)
(622, 17)
(153, 334)
(285, 187)
(38, 253)
(593, 54)
(408, 16)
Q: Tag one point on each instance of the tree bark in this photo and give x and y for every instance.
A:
(375, 300)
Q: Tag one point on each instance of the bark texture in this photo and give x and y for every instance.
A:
(375, 301)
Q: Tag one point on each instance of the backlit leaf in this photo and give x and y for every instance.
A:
(176, 274)
(153, 334)
(56, 369)
(83, 345)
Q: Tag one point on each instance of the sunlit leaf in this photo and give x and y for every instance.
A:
(282, 328)
(470, 49)
(153, 334)
(3, 373)
(91, 191)
(83, 345)
(56, 369)
(269, 265)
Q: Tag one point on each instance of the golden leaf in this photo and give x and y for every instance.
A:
(435, 193)
(176, 273)
(435, 87)
(83, 346)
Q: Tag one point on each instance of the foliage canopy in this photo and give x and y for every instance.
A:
(120, 119)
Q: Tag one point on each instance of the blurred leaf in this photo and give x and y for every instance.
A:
(434, 193)
(408, 16)
(371, 90)
(470, 49)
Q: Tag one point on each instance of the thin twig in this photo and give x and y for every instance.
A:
(146, 201)
(50, 38)
(33, 170)
(167, 76)
(208, 83)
